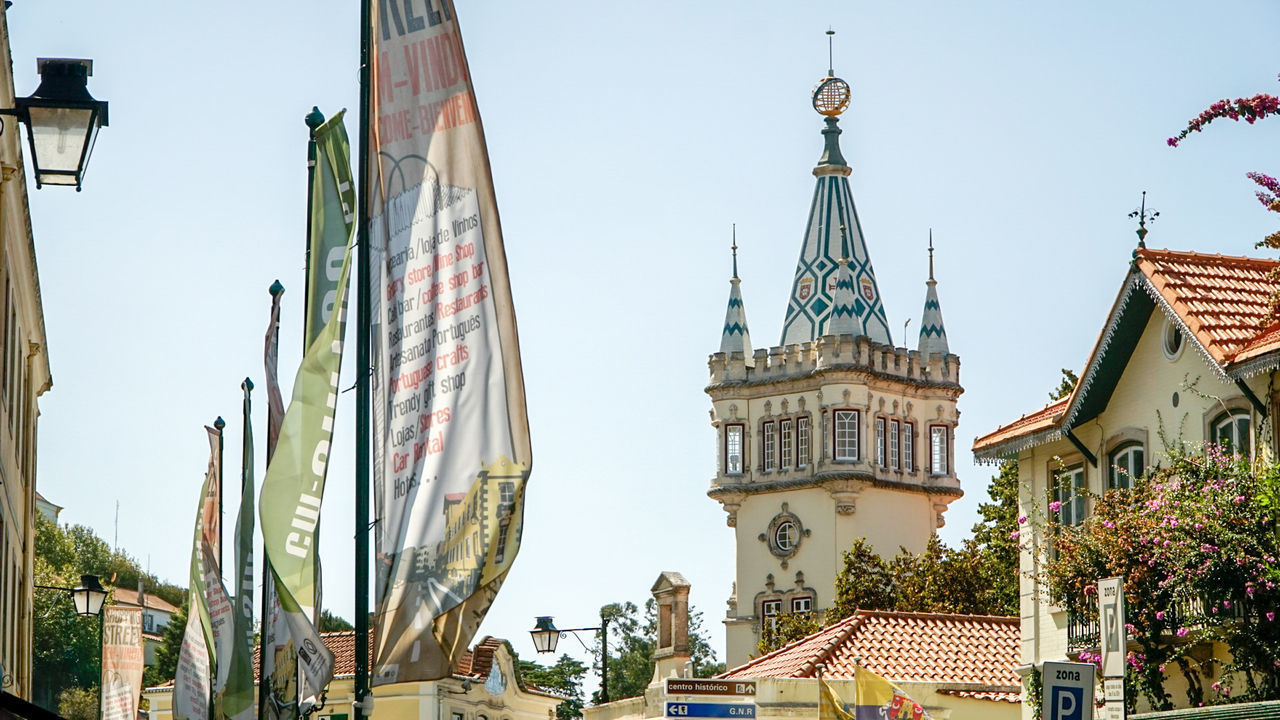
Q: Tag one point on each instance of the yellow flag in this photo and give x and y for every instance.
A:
(878, 698)
(830, 706)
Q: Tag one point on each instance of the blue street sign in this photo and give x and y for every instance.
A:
(710, 710)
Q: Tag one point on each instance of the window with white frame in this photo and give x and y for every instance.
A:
(733, 449)
(895, 447)
(801, 604)
(938, 449)
(846, 434)
(769, 447)
(1231, 431)
(1068, 491)
(769, 611)
(1126, 464)
(802, 441)
(787, 438)
(881, 454)
(909, 447)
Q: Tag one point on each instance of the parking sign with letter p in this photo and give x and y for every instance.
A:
(1068, 691)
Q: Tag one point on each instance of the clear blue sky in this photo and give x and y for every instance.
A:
(625, 139)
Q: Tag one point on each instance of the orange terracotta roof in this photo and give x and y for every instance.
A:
(125, 596)
(475, 662)
(1042, 419)
(980, 650)
(1221, 299)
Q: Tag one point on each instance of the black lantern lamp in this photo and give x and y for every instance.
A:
(89, 595)
(62, 121)
(545, 635)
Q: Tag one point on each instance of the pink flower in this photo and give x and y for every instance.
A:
(1014, 535)
(1022, 519)
(1271, 616)
(1159, 614)
(1055, 506)
(1182, 632)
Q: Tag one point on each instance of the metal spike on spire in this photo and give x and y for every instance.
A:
(735, 251)
(831, 53)
(1143, 218)
(931, 254)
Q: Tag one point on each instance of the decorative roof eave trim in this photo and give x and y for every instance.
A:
(1256, 366)
(1009, 449)
(1100, 348)
(1172, 314)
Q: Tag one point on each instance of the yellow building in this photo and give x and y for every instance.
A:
(836, 434)
(1181, 358)
(24, 376)
(484, 686)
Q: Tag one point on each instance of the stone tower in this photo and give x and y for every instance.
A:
(836, 434)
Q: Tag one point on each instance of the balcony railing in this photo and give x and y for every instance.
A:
(1083, 626)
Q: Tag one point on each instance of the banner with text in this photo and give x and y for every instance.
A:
(193, 683)
(451, 446)
(122, 662)
(293, 488)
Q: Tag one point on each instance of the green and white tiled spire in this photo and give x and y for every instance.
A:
(735, 337)
(833, 232)
(933, 335)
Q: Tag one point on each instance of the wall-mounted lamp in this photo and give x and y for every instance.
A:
(62, 121)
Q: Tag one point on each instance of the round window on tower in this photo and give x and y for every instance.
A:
(784, 534)
(1171, 341)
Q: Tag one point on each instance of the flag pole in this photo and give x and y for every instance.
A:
(276, 290)
(314, 120)
(363, 404)
(218, 425)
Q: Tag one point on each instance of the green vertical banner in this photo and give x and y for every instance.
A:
(237, 702)
(332, 222)
(293, 489)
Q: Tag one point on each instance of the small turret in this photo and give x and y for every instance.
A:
(933, 334)
(736, 337)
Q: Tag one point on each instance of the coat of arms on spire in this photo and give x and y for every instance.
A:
(832, 234)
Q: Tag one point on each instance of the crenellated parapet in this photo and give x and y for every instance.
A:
(832, 352)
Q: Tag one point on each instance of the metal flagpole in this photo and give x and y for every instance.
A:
(218, 425)
(268, 584)
(314, 120)
(363, 404)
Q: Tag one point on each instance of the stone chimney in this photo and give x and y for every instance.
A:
(671, 595)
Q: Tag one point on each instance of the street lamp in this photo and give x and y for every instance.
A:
(62, 121)
(546, 635)
(88, 598)
(89, 595)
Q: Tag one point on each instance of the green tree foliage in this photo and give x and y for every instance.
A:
(1196, 543)
(632, 641)
(166, 664)
(78, 703)
(979, 577)
(564, 678)
(66, 645)
(332, 623)
(1065, 387)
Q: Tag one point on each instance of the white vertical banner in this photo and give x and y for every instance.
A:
(451, 446)
(1112, 634)
(122, 662)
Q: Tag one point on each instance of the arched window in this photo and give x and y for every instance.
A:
(1231, 431)
(1068, 491)
(1128, 461)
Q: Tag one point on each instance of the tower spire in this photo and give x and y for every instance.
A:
(810, 309)
(735, 336)
(933, 334)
